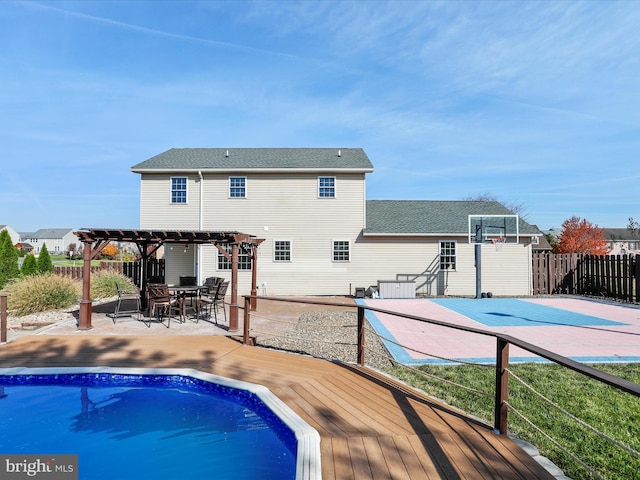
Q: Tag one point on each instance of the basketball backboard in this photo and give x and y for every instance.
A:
(493, 228)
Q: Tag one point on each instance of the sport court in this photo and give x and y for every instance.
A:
(584, 330)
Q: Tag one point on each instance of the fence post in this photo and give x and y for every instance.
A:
(502, 386)
(3, 317)
(361, 335)
(246, 320)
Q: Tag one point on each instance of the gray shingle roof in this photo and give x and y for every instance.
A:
(621, 234)
(424, 217)
(257, 158)
(47, 233)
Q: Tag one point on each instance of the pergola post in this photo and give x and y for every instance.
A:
(84, 322)
(233, 306)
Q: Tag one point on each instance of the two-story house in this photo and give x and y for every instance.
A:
(321, 235)
(623, 241)
(56, 239)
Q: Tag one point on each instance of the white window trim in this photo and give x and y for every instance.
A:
(455, 243)
(333, 242)
(186, 201)
(290, 250)
(246, 192)
(335, 186)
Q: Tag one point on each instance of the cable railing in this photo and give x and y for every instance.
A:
(502, 406)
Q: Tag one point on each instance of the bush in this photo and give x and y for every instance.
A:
(45, 264)
(103, 284)
(41, 293)
(29, 265)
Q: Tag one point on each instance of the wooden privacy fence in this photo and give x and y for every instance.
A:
(132, 270)
(611, 276)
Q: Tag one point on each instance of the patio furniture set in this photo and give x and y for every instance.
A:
(183, 301)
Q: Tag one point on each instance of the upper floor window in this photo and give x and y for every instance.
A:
(326, 187)
(178, 189)
(224, 263)
(447, 255)
(282, 250)
(237, 187)
(341, 251)
(633, 245)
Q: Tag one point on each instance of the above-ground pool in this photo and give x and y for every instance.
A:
(155, 423)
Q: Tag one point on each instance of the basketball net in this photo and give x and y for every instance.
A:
(498, 242)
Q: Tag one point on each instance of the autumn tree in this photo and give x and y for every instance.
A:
(580, 236)
(110, 251)
(45, 265)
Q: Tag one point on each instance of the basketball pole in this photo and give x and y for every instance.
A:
(478, 252)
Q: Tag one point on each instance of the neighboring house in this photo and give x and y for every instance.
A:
(56, 239)
(322, 237)
(15, 236)
(622, 241)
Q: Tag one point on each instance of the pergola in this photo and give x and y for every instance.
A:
(148, 242)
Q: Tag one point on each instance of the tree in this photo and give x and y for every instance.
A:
(110, 251)
(45, 265)
(633, 225)
(580, 236)
(29, 265)
(8, 259)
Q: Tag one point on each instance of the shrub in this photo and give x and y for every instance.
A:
(45, 265)
(41, 293)
(103, 284)
(8, 259)
(29, 265)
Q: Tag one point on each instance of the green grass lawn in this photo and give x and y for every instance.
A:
(606, 409)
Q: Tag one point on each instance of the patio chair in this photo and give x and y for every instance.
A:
(215, 299)
(124, 297)
(161, 303)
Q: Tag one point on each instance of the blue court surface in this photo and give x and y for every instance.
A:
(511, 312)
(581, 329)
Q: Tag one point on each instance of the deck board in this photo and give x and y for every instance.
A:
(370, 426)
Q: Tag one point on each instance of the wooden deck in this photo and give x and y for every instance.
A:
(369, 426)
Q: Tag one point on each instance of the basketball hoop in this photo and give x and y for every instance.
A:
(498, 242)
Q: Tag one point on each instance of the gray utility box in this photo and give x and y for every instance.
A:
(397, 288)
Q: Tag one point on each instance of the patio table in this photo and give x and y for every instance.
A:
(185, 292)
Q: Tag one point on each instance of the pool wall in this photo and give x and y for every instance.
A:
(308, 466)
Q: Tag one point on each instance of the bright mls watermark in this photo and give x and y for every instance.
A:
(51, 467)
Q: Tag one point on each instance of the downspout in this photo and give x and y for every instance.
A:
(200, 223)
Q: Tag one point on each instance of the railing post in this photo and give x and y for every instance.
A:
(247, 320)
(361, 335)
(502, 386)
(3, 317)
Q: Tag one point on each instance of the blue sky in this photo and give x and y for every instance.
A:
(534, 103)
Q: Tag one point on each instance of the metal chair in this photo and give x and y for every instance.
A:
(215, 299)
(162, 303)
(125, 296)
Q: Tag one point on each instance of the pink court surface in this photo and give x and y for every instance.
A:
(584, 330)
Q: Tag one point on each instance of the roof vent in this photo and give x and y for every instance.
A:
(227, 154)
(339, 153)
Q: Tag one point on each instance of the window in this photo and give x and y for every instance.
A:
(237, 187)
(224, 263)
(282, 251)
(326, 187)
(633, 245)
(178, 189)
(447, 255)
(341, 250)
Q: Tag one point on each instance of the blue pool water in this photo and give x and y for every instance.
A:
(139, 426)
